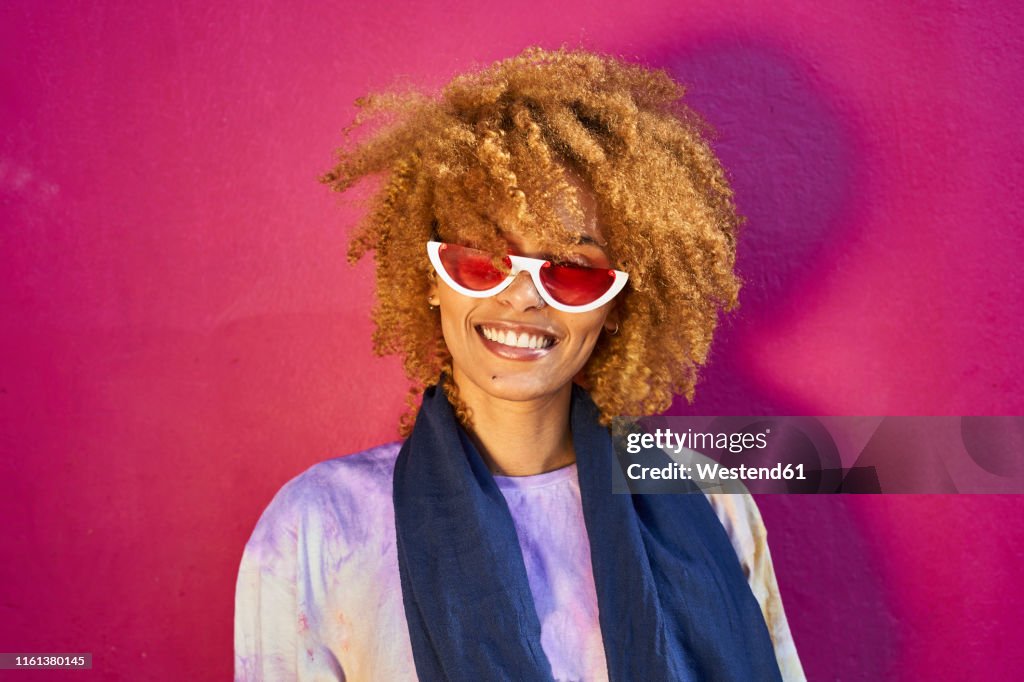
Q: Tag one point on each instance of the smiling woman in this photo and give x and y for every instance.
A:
(542, 224)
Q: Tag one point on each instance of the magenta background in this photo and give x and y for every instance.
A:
(181, 333)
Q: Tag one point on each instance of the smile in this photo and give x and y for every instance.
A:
(521, 340)
(518, 343)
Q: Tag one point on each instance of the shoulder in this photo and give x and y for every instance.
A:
(741, 519)
(346, 492)
(363, 473)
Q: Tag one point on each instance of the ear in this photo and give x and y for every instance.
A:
(432, 297)
(611, 322)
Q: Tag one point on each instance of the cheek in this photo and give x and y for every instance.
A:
(451, 327)
(585, 334)
(589, 328)
(454, 312)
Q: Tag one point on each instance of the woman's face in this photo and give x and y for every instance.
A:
(477, 330)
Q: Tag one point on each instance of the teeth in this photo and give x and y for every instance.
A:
(521, 340)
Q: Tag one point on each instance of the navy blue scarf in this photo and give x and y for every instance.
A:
(672, 599)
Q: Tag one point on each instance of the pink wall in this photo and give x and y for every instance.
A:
(181, 333)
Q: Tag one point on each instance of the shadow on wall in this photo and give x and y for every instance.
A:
(793, 161)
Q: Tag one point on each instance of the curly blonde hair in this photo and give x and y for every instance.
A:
(488, 155)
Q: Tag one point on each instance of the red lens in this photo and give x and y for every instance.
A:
(471, 268)
(576, 284)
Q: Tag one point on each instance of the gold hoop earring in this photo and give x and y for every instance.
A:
(614, 331)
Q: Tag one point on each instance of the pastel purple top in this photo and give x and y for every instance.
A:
(319, 596)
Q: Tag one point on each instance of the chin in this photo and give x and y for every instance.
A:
(518, 388)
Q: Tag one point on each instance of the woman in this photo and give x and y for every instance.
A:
(553, 239)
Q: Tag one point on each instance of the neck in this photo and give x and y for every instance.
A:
(520, 437)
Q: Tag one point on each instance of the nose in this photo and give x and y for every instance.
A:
(522, 294)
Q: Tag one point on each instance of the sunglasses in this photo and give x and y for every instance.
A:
(564, 286)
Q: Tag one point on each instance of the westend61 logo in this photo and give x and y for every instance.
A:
(668, 440)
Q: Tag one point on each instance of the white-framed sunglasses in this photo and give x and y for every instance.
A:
(564, 286)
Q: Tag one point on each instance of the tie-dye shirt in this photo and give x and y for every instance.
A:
(319, 597)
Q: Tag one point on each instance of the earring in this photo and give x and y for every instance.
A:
(614, 331)
(430, 304)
